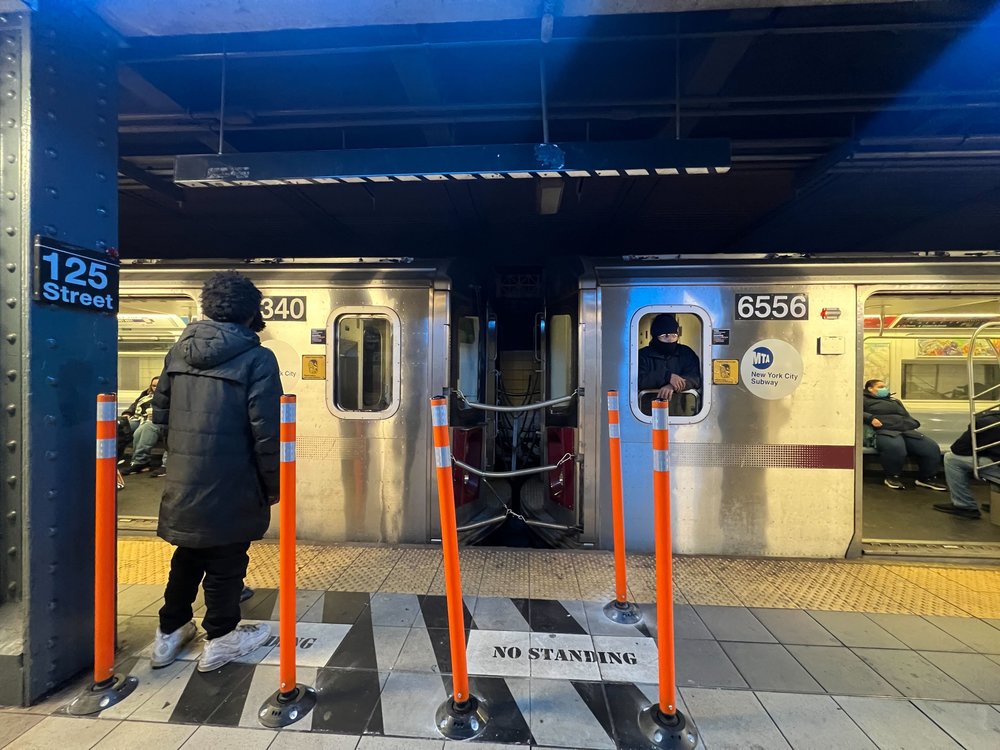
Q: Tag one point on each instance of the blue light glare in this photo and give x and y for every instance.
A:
(492, 325)
(970, 63)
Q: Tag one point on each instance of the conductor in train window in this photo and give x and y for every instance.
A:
(896, 437)
(666, 364)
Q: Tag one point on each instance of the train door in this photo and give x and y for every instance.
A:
(481, 501)
(550, 501)
(916, 366)
(147, 327)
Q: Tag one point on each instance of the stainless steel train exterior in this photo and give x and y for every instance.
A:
(763, 456)
(364, 466)
(751, 474)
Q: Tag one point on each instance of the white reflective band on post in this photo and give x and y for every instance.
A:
(659, 419)
(660, 461)
(612, 403)
(614, 430)
(442, 457)
(287, 452)
(439, 415)
(107, 448)
(106, 411)
(287, 413)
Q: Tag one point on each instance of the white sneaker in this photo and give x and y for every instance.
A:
(242, 641)
(166, 647)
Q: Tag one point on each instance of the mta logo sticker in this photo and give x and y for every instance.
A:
(771, 369)
(762, 358)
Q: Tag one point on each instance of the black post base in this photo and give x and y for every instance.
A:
(675, 732)
(282, 709)
(624, 613)
(102, 695)
(461, 721)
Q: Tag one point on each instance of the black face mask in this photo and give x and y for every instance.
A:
(667, 347)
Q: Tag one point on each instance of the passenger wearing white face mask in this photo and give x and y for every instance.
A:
(896, 436)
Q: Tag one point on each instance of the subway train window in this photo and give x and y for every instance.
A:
(668, 352)
(363, 379)
(468, 357)
(561, 374)
(147, 328)
(938, 381)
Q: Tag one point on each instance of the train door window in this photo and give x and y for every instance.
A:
(147, 328)
(560, 356)
(467, 331)
(690, 353)
(366, 364)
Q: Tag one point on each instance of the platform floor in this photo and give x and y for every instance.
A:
(770, 654)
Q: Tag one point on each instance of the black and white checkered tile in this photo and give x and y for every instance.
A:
(551, 672)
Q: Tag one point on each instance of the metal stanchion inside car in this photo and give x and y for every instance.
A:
(108, 688)
(462, 716)
(293, 700)
(621, 610)
(662, 723)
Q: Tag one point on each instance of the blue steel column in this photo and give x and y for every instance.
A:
(58, 145)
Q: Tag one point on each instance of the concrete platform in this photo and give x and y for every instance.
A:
(770, 654)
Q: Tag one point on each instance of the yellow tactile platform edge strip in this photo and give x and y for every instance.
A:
(862, 586)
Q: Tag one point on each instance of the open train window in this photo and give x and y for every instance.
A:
(147, 328)
(649, 359)
(365, 363)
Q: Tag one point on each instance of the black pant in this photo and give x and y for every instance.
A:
(223, 569)
(892, 451)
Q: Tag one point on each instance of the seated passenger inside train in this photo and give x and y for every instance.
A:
(665, 364)
(145, 434)
(896, 437)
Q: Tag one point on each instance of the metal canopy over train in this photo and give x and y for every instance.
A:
(766, 455)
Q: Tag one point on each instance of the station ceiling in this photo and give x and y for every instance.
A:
(855, 127)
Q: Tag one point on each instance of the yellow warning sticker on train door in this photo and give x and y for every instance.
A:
(314, 367)
(725, 371)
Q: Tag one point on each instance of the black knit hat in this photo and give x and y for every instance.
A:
(665, 323)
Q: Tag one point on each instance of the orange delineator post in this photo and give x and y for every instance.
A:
(664, 561)
(617, 510)
(449, 545)
(105, 531)
(286, 549)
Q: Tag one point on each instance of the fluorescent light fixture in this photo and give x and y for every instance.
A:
(549, 195)
(442, 163)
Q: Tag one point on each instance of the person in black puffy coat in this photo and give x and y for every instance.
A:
(218, 400)
(665, 364)
(896, 436)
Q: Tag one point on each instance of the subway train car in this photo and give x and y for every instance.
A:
(767, 452)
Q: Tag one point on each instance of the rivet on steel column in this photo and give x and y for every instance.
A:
(662, 723)
(293, 700)
(108, 688)
(621, 610)
(462, 716)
